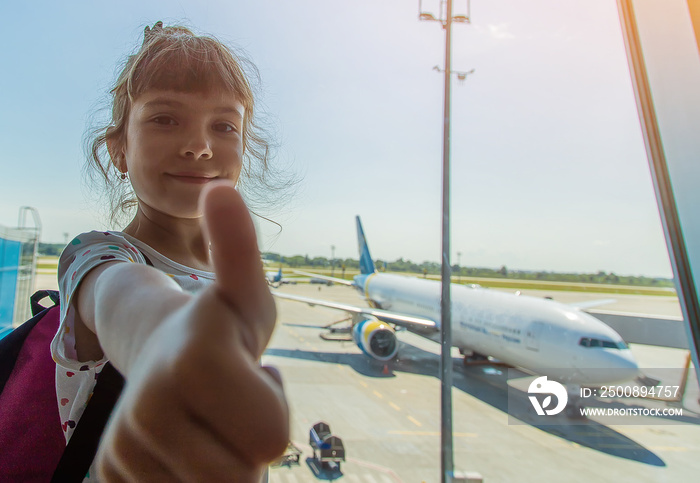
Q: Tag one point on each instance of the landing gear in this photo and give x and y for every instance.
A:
(474, 358)
(574, 407)
(575, 411)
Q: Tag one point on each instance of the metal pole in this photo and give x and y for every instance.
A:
(447, 462)
(660, 175)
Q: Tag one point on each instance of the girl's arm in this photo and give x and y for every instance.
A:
(197, 405)
(123, 303)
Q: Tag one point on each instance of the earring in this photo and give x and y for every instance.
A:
(123, 176)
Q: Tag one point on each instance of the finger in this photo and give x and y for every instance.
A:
(132, 460)
(212, 400)
(191, 449)
(228, 391)
(274, 373)
(108, 471)
(125, 455)
(239, 276)
(250, 414)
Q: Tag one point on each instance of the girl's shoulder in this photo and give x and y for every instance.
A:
(110, 244)
(93, 248)
(96, 247)
(96, 238)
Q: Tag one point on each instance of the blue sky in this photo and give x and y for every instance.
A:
(549, 169)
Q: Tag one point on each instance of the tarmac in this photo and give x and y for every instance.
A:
(388, 416)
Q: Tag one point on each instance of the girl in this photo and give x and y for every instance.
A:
(177, 301)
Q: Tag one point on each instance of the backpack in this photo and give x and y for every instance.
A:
(32, 443)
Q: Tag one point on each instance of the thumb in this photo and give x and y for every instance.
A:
(240, 281)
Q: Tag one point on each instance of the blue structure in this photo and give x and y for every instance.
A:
(18, 247)
(9, 274)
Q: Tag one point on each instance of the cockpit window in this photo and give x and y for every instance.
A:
(607, 344)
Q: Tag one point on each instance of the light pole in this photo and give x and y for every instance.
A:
(446, 18)
(460, 74)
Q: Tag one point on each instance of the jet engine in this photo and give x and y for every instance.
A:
(376, 339)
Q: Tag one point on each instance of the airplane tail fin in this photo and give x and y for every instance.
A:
(366, 262)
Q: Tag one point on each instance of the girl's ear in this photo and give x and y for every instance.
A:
(116, 151)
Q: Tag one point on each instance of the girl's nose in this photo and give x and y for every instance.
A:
(196, 146)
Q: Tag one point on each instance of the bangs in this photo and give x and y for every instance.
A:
(188, 64)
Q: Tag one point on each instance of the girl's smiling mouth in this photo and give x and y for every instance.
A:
(192, 177)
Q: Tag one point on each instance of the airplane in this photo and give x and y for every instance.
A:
(275, 279)
(537, 334)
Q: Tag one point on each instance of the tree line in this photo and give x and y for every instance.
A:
(433, 268)
(50, 249)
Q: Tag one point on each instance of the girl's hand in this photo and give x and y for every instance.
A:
(197, 406)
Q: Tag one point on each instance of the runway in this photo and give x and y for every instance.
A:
(389, 421)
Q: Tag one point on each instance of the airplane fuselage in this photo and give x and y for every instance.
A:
(542, 335)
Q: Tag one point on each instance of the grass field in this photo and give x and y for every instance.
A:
(516, 284)
(51, 263)
(569, 287)
(47, 263)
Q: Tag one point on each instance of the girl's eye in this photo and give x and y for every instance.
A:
(224, 127)
(166, 120)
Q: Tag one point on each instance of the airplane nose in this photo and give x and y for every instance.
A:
(623, 367)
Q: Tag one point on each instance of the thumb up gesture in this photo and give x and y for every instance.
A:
(197, 405)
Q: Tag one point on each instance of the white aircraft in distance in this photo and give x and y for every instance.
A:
(536, 334)
(275, 279)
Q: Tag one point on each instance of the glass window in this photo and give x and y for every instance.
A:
(552, 198)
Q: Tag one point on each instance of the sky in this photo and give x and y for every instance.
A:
(549, 170)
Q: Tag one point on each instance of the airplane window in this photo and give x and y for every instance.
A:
(590, 342)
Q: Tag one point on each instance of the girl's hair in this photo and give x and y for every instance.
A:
(174, 58)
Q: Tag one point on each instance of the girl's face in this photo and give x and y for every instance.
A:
(176, 143)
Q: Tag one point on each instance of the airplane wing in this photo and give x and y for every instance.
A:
(340, 281)
(589, 304)
(383, 315)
